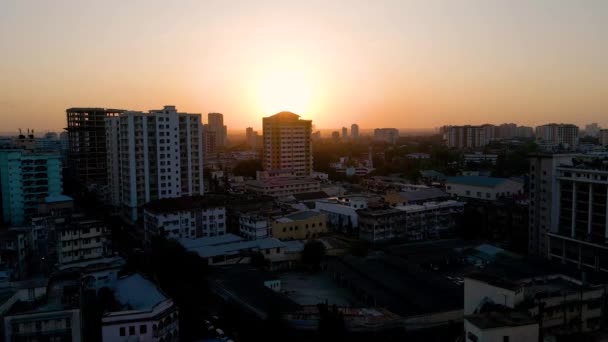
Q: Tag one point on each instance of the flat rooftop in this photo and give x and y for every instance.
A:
(497, 319)
(134, 292)
(300, 215)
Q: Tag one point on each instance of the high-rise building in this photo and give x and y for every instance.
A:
(252, 137)
(469, 136)
(287, 143)
(26, 179)
(565, 135)
(544, 199)
(354, 131)
(390, 135)
(506, 131)
(153, 155)
(525, 132)
(216, 133)
(87, 156)
(592, 129)
(344, 133)
(603, 135)
(578, 234)
(335, 136)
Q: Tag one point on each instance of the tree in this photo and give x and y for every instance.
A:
(313, 254)
(331, 323)
(258, 260)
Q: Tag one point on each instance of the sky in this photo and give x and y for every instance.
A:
(405, 64)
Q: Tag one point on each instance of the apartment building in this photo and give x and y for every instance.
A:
(283, 186)
(287, 143)
(544, 198)
(189, 217)
(153, 155)
(81, 239)
(377, 225)
(469, 137)
(430, 220)
(579, 236)
(354, 131)
(565, 135)
(26, 178)
(389, 135)
(253, 226)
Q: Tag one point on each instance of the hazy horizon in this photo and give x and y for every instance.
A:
(414, 64)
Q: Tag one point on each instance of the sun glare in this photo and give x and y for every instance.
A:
(285, 90)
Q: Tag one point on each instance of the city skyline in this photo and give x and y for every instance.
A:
(414, 64)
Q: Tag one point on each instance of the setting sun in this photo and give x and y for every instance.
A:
(285, 90)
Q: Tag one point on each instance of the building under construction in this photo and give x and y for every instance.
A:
(87, 157)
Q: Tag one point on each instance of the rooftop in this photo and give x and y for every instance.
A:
(423, 194)
(498, 319)
(134, 292)
(301, 215)
(232, 248)
(58, 198)
(479, 181)
(167, 205)
(281, 181)
(308, 196)
(210, 241)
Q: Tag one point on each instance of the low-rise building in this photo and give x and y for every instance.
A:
(300, 225)
(14, 251)
(143, 313)
(431, 219)
(231, 249)
(81, 239)
(502, 326)
(253, 226)
(483, 188)
(342, 212)
(52, 312)
(417, 195)
(283, 186)
(418, 155)
(184, 218)
(377, 225)
(479, 157)
(564, 304)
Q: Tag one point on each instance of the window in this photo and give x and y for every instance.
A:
(122, 331)
(143, 329)
(132, 330)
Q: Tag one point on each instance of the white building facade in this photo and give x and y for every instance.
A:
(184, 218)
(153, 155)
(253, 226)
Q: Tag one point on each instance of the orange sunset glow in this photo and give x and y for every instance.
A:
(416, 64)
